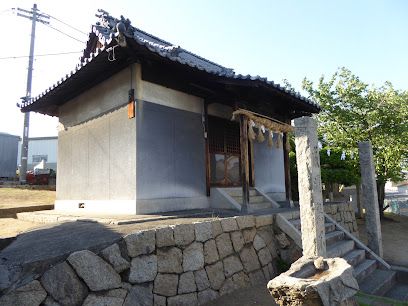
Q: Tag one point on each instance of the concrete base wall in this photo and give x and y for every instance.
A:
(119, 207)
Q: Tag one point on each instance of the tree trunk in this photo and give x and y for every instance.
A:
(381, 197)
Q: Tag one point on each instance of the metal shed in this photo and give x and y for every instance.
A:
(8, 155)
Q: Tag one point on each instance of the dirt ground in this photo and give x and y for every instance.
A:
(12, 197)
(394, 235)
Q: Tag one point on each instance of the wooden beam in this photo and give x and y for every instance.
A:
(243, 122)
(207, 151)
(286, 163)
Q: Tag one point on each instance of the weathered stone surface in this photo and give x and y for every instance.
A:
(206, 296)
(96, 272)
(224, 245)
(114, 297)
(249, 259)
(229, 225)
(4, 277)
(112, 255)
(257, 278)
(232, 265)
(143, 269)
(139, 243)
(49, 301)
(166, 284)
(216, 227)
(249, 235)
(241, 280)
(245, 221)
(126, 286)
(335, 286)
(310, 187)
(165, 237)
(237, 240)
(159, 300)
(31, 294)
(210, 252)
(264, 256)
(201, 279)
(283, 240)
(203, 231)
(228, 287)
(189, 299)
(215, 275)
(186, 283)
(266, 233)
(184, 234)
(63, 285)
(140, 295)
(266, 273)
(193, 257)
(370, 198)
(259, 243)
(169, 260)
(263, 220)
(271, 270)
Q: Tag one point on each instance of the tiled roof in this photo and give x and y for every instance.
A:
(109, 28)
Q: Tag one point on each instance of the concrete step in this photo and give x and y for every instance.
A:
(237, 192)
(333, 237)
(329, 227)
(340, 248)
(355, 257)
(378, 282)
(262, 205)
(398, 292)
(252, 199)
(363, 269)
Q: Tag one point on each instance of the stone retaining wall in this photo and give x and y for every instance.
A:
(186, 264)
(343, 213)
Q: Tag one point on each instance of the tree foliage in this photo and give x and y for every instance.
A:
(353, 111)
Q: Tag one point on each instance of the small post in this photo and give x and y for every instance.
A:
(310, 188)
(370, 198)
(207, 150)
(286, 163)
(243, 123)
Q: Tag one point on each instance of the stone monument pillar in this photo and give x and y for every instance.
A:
(369, 197)
(310, 188)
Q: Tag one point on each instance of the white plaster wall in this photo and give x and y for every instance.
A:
(158, 94)
(97, 149)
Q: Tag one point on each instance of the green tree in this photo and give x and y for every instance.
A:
(353, 111)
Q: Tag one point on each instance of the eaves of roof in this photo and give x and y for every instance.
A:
(166, 50)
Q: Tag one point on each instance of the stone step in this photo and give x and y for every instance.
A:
(340, 248)
(252, 199)
(378, 282)
(237, 192)
(333, 237)
(329, 227)
(398, 292)
(262, 205)
(363, 269)
(355, 257)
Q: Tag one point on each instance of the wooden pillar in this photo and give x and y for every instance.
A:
(243, 123)
(207, 150)
(286, 163)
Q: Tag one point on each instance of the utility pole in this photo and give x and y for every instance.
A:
(34, 16)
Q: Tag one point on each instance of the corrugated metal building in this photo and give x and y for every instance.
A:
(8, 155)
(41, 148)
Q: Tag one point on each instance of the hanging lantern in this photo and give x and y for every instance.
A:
(251, 132)
(319, 145)
(270, 139)
(328, 152)
(343, 156)
(261, 137)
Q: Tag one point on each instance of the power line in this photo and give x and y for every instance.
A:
(81, 41)
(68, 25)
(38, 55)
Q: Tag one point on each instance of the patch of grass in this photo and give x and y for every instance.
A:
(14, 197)
(364, 299)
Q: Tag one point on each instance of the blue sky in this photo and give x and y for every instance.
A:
(277, 39)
